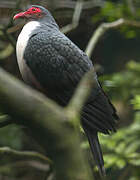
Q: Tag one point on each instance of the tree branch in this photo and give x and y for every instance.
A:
(75, 19)
(5, 121)
(131, 7)
(46, 120)
(103, 28)
(25, 154)
(22, 165)
(57, 5)
(81, 94)
(6, 52)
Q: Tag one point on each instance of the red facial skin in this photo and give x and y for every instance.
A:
(31, 12)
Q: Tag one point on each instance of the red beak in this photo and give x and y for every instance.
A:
(19, 15)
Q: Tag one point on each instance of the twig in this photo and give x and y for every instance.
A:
(15, 28)
(22, 164)
(9, 36)
(7, 51)
(103, 28)
(5, 121)
(67, 28)
(75, 19)
(10, 23)
(62, 4)
(86, 4)
(81, 94)
(131, 7)
(25, 154)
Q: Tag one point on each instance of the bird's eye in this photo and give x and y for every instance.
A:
(33, 9)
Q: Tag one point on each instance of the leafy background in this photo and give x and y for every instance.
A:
(118, 56)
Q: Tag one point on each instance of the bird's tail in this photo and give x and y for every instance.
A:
(96, 151)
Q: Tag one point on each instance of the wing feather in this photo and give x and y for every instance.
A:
(58, 64)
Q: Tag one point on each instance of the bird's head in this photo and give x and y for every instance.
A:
(33, 12)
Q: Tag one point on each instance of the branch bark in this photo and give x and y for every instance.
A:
(47, 122)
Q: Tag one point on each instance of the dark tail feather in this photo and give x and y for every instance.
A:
(96, 150)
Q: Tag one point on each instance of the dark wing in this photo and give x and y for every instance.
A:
(58, 64)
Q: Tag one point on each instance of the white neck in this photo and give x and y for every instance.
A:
(23, 40)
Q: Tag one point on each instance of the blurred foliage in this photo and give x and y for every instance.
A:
(122, 149)
(11, 135)
(124, 9)
(136, 102)
(125, 84)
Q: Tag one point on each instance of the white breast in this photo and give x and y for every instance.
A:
(23, 40)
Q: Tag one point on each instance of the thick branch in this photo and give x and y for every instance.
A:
(103, 28)
(46, 120)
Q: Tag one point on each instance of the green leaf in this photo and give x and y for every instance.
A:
(135, 162)
(136, 102)
(132, 147)
(121, 163)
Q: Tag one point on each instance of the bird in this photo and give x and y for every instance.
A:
(51, 63)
